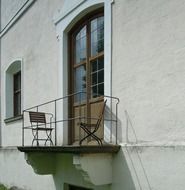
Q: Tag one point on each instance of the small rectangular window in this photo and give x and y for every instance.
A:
(17, 93)
(72, 187)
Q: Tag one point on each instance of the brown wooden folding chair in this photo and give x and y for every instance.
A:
(38, 123)
(90, 129)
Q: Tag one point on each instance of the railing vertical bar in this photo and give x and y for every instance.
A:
(117, 122)
(23, 130)
(55, 122)
(111, 121)
(37, 108)
(80, 112)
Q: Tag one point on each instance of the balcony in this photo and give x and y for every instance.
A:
(53, 128)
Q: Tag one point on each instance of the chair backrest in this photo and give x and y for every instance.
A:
(37, 117)
(101, 113)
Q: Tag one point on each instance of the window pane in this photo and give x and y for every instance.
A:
(97, 35)
(97, 77)
(94, 78)
(97, 65)
(100, 63)
(17, 81)
(81, 45)
(94, 66)
(100, 45)
(101, 76)
(17, 104)
(93, 25)
(17, 93)
(80, 83)
(94, 91)
(101, 89)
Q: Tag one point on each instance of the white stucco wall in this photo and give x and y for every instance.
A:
(8, 10)
(149, 167)
(148, 76)
(148, 68)
(33, 39)
(16, 172)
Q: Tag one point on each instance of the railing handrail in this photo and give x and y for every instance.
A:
(112, 99)
(67, 96)
(65, 120)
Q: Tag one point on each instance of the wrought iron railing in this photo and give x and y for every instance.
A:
(58, 108)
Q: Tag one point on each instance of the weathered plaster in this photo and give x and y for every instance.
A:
(16, 172)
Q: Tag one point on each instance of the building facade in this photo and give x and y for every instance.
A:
(61, 60)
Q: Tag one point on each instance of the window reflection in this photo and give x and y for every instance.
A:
(80, 83)
(97, 36)
(81, 45)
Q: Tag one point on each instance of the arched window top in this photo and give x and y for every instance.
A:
(84, 18)
(14, 67)
(70, 15)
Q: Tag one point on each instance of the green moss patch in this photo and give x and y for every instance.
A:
(2, 187)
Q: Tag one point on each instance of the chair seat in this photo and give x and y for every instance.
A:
(88, 124)
(43, 129)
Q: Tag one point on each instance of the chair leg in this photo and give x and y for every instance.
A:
(84, 139)
(97, 139)
(89, 133)
(49, 138)
(35, 137)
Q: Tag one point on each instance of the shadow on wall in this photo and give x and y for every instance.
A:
(131, 136)
(67, 174)
(111, 116)
(122, 178)
(134, 157)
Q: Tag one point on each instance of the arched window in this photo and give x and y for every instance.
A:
(67, 26)
(13, 90)
(87, 67)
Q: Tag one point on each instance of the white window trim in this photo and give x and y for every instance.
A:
(22, 85)
(64, 23)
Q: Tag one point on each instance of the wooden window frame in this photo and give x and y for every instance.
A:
(71, 57)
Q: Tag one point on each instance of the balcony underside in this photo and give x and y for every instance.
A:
(46, 159)
(71, 149)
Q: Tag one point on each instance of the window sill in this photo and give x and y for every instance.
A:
(13, 119)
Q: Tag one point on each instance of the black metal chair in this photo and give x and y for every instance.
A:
(38, 123)
(90, 128)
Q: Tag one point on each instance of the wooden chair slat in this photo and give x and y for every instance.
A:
(37, 117)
